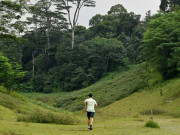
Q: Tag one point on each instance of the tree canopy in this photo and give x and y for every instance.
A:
(162, 43)
(10, 13)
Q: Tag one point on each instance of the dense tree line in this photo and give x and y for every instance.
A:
(59, 55)
(53, 65)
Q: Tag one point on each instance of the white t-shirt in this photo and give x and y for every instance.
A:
(90, 104)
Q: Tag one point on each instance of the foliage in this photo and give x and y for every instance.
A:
(161, 43)
(169, 5)
(113, 87)
(45, 50)
(10, 74)
(151, 124)
(123, 26)
(10, 13)
(89, 61)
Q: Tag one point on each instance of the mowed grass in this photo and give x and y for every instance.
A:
(102, 126)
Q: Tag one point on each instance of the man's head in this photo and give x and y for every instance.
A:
(90, 95)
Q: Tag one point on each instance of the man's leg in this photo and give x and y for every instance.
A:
(88, 122)
(88, 115)
(92, 120)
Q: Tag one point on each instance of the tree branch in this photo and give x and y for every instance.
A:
(69, 15)
(75, 14)
(78, 12)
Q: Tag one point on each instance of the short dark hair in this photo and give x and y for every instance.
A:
(90, 95)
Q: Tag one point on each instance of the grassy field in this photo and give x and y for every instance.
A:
(126, 116)
(110, 126)
(123, 117)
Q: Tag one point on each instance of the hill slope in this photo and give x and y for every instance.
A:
(14, 107)
(163, 98)
(109, 89)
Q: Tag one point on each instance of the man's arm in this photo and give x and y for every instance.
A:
(96, 105)
(85, 104)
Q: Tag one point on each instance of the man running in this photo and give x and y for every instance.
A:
(90, 103)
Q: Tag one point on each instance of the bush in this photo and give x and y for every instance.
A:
(152, 124)
(41, 116)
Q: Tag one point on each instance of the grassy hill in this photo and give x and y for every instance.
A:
(109, 89)
(163, 98)
(14, 107)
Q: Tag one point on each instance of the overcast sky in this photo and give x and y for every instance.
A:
(103, 6)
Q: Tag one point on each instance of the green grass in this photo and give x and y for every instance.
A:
(109, 126)
(149, 99)
(23, 109)
(115, 86)
(122, 117)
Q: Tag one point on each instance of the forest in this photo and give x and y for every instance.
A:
(49, 52)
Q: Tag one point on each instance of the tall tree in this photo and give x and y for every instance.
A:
(96, 20)
(67, 5)
(10, 12)
(46, 20)
(162, 43)
(117, 10)
(169, 5)
(44, 23)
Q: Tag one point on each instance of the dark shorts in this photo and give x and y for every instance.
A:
(90, 114)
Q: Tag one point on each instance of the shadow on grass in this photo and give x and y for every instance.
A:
(77, 130)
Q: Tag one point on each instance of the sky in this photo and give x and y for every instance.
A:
(103, 6)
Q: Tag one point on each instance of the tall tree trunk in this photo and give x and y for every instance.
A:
(48, 30)
(47, 40)
(20, 51)
(73, 22)
(33, 63)
(73, 29)
(106, 63)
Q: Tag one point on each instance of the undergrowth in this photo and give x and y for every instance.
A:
(44, 116)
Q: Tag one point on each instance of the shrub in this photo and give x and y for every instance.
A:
(42, 116)
(152, 124)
